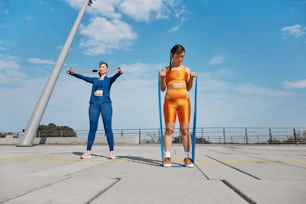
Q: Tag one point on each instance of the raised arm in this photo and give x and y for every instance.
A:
(85, 78)
(115, 76)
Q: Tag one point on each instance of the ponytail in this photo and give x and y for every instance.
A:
(170, 63)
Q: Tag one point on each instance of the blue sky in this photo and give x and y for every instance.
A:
(250, 57)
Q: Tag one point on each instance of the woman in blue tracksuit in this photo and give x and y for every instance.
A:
(100, 103)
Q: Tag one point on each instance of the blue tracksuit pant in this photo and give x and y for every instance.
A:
(105, 109)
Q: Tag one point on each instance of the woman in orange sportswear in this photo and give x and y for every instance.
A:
(177, 79)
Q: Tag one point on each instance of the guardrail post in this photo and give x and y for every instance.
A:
(270, 135)
(202, 136)
(158, 134)
(246, 136)
(223, 136)
(294, 134)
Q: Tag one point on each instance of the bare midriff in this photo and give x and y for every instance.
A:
(98, 93)
(177, 85)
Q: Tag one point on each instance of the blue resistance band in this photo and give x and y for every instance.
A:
(194, 130)
(161, 137)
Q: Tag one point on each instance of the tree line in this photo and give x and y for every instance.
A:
(52, 130)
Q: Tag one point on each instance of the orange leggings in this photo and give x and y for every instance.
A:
(181, 106)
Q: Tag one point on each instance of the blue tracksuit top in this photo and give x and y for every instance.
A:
(97, 84)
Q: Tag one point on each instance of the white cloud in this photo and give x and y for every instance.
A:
(213, 84)
(180, 15)
(75, 3)
(41, 61)
(257, 90)
(106, 8)
(139, 10)
(294, 30)
(9, 62)
(225, 72)
(6, 44)
(216, 60)
(174, 29)
(142, 10)
(103, 35)
(295, 84)
(108, 31)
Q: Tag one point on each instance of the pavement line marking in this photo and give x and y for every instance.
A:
(15, 159)
(248, 161)
(294, 162)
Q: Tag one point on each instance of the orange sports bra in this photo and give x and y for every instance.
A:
(176, 76)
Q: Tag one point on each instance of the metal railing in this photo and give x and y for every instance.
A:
(205, 135)
(232, 135)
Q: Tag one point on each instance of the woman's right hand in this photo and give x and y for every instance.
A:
(162, 73)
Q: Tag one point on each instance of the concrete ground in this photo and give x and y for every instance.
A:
(236, 174)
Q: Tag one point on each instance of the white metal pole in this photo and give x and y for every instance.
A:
(33, 124)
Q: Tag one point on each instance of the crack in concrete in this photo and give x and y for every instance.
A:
(239, 192)
(34, 189)
(244, 172)
(103, 191)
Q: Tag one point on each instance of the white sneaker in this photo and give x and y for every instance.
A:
(86, 155)
(111, 155)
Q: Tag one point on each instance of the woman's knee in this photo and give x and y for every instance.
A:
(169, 131)
(185, 131)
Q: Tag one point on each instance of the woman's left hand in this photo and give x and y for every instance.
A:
(193, 74)
(120, 70)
